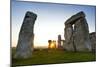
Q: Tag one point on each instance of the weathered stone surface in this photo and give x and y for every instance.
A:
(77, 37)
(68, 34)
(26, 37)
(93, 41)
(81, 35)
(75, 17)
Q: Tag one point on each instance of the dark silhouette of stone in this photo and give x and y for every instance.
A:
(93, 41)
(59, 41)
(26, 36)
(77, 33)
(49, 43)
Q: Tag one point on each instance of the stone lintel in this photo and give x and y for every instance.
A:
(75, 17)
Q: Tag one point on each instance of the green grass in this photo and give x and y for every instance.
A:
(53, 56)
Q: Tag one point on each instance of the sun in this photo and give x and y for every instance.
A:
(52, 45)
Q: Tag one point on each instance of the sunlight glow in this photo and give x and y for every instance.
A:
(52, 45)
(50, 20)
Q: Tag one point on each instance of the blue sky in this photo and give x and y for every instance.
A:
(50, 19)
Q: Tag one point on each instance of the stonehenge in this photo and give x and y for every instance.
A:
(76, 33)
(25, 43)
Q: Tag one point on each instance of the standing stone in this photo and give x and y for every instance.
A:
(54, 43)
(26, 37)
(59, 41)
(68, 34)
(81, 35)
(93, 41)
(49, 43)
(76, 33)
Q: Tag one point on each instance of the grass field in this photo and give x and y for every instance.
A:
(53, 56)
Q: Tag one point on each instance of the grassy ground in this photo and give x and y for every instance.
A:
(53, 56)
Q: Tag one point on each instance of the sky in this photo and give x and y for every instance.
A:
(50, 19)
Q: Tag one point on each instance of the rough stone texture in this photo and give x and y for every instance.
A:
(26, 37)
(75, 17)
(77, 33)
(68, 44)
(93, 41)
(81, 35)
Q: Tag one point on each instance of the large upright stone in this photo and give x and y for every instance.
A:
(68, 34)
(81, 35)
(93, 41)
(26, 37)
(59, 41)
(77, 33)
